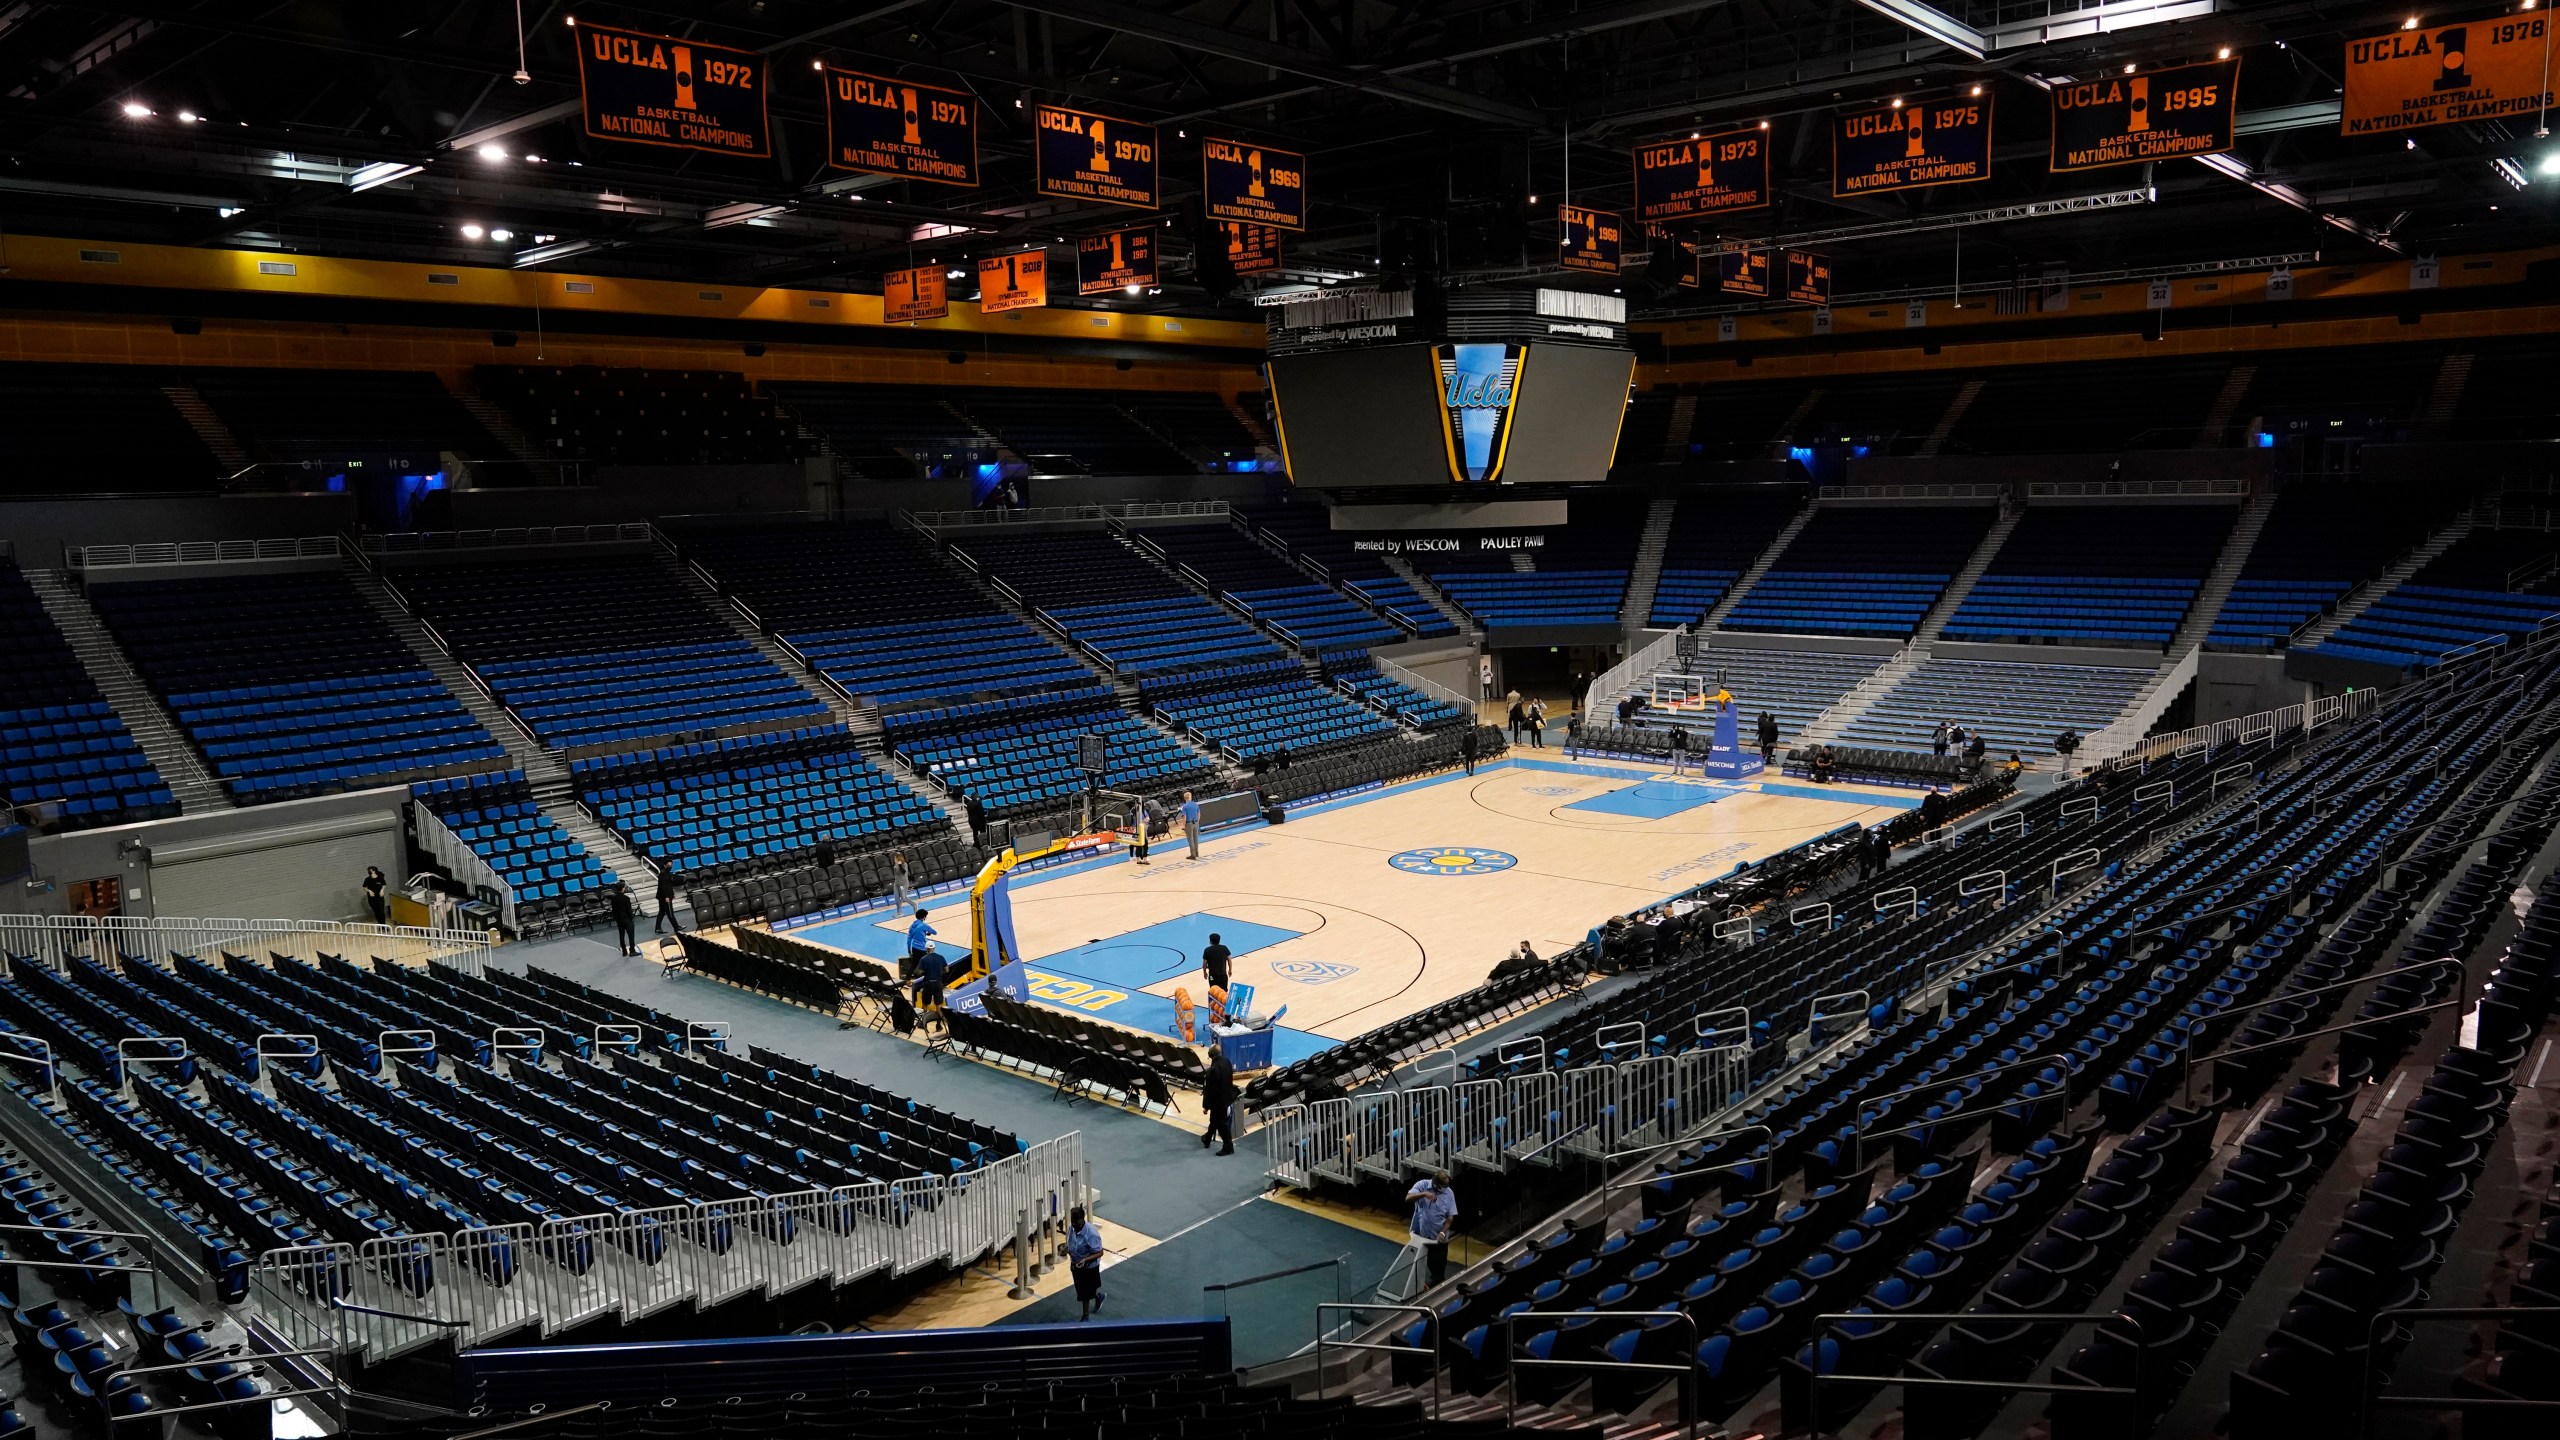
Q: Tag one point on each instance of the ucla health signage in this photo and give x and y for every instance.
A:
(1477, 386)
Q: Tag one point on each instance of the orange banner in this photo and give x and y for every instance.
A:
(1013, 282)
(2447, 74)
(917, 294)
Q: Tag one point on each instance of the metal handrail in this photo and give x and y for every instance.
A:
(2366, 1399)
(544, 1418)
(1429, 1316)
(1512, 1360)
(2141, 1349)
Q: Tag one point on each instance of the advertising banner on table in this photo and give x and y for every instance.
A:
(1742, 272)
(1116, 261)
(2490, 69)
(1809, 278)
(1013, 282)
(901, 128)
(2122, 119)
(1593, 240)
(1911, 147)
(1083, 156)
(1252, 249)
(918, 294)
(1684, 179)
(1253, 184)
(684, 94)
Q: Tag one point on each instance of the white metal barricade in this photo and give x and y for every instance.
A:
(2015, 822)
(409, 1042)
(526, 1040)
(1613, 1040)
(1904, 898)
(1479, 1132)
(617, 1037)
(1818, 913)
(37, 1052)
(1377, 1141)
(1733, 930)
(1982, 882)
(701, 1033)
(2157, 790)
(135, 1050)
(2235, 774)
(1816, 1012)
(2083, 808)
(2078, 862)
(303, 1048)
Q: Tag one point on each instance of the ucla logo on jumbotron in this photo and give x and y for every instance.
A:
(1452, 860)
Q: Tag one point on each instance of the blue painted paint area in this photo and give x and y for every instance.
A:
(1836, 797)
(1161, 952)
(1654, 799)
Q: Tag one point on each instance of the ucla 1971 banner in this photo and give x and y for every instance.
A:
(1591, 239)
(1116, 261)
(2123, 119)
(1684, 179)
(1254, 184)
(2490, 69)
(658, 90)
(901, 128)
(1252, 249)
(1808, 278)
(917, 294)
(1019, 281)
(1911, 147)
(1084, 156)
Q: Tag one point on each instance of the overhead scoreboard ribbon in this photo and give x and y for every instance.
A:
(1116, 261)
(2488, 69)
(900, 127)
(2125, 119)
(1685, 179)
(1253, 184)
(683, 94)
(1911, 147)
(1084, 156)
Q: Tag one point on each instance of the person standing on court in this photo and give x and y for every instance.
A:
(1679, 749)
(1218, 1096)
(919, 941)
(374, 885)
(1191, 823)
(1469, 746)
(1141, 820)
(1435, 1218)
(1537, 724)
(1084, 1263)
(1216, 961)
(902, 883)
(625, 920)
(1768, 738)
(1517, 716)
(666, 903)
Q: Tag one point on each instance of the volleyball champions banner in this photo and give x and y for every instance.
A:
(1911, 147)
(683, 94)
(1116, 261)
(1684, 179)
(901, 128)
(1083, 156)
(2121, 119)
(917, 294)
(1252, 249)
(2410, 79)
(1253, 184)
(1592, 240)
(1019, 281)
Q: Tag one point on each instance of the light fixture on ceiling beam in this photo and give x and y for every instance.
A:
(744, 212)
(545, 254)
(380, 174)
(1935, 23)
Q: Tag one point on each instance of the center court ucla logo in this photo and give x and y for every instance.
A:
(1452, 860)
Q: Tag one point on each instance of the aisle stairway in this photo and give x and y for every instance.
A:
(209, 428)
(496, 421)
(2355, 602)
(150, 724)
(860, 719)
(2206, 608)
(2218, 419)
(1962, 585)
(1647, 574)
(1448, 609)
(1742, 583)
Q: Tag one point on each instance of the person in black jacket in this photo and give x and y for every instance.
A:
(1768, 738)
(374, 885)
(625, 919)
(1218, 1096)
(1215, 958)
(1679, 750)
(977, 820)
(1469, 745)
(666, 903)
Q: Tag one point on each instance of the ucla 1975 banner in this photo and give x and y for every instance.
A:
(2488, 69)
(659, 90)
(902, 128)
(2124, 119)
(1910, 147)
(1684, 179)
(1253, 184)
(1084, 156)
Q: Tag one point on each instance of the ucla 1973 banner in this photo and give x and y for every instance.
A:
(2444, 74)
(2122, 119)
(1254, 184)
(1084, 156)
(1910, 147)
(918, 294)
(901, 128)
(1116, 261)
(658, 90)
(1019, 281)
(1590, 240)
(1684, 179)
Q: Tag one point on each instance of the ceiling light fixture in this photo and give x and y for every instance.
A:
(1977, 89)
(380, 174)
(2409, 24)
(502, 236)
(494, 154)
(2128, 69)
(472, 232)
(186, 117)
(136, 110)
(2222, 54)
(1897, 102)
(1136, 289)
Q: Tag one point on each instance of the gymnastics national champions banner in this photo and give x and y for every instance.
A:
(901, 128)
(1019, 281)
(1684, 179)
(2490, 69)
(1116, 261)
(658, 90)
(1084, 156)
(1591, 239)
(918, 294)
(2121, 119)
(1252, 249)
(1253, 184)
(1911, 147)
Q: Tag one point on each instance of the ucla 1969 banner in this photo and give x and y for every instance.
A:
(1591, 239)
(1084, 156)
(1808, 278)
(658, 90)
(1251, 249)
(2122, 119)
(1684, 179)
(899, 127)
(1019, 281)
(1255, 184)
(1116, 261)
(2443, 74)
(917, 294)
(1910, 147)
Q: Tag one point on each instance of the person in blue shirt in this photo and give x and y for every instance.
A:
(1191, 823)
(1435, 1218)
(1084, 1262)
(925, 961)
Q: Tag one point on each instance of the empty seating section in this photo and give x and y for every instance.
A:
(1318, 616)
(336, 415)
(2095, 575)
(1015, 756)
(1792, 685)
(290, 684)
(600, 649)
(2507, 396)
(2045, 409)
(1132, 615)
(751, 802)
(884, 431)
(1264, 709)
(1198, 422)
(2322, 540)
(1357, 676)
(557, 883)
(590, 412)
(2459, 599)
(2375, 389)
(1305, 526)
(1887, 414)
(1579, 575)
(1083, 428)
(1736, 422)
(2016, 707)
(52, 418)
(61, 745)
(1716, 534)
(874, 610)
(1863, 570)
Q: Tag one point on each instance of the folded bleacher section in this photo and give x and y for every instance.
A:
(1305, 526)
(1020, 755)
(600, 649)
(640, 417)
(2322, 540)
(1793, 686)
(1315, 616)
(331, 416)
(1863, 570)
(2017, 707)
(290, 684)
(53, 417)
(558, 886)
(1578, 575)
(66, 759)
(1716, 534)
(1257, 711)
(2461, 599)
(2105, 575)
(1130, 615)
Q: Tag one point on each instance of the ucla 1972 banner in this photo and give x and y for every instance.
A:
(2488, 69)
(1084, 156)
(2123, 119)
(1911, 147)
(1123, 258)
(901, 128)
(1254, 184)
(1684, 179)
(1590, 239)
(659, 90)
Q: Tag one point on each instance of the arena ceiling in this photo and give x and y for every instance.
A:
(1439, 133)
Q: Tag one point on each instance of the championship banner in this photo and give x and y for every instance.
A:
(1911, 147)
(1116, 261)
(1592, 240)
(1083, 156)
(1019, 281)
(917, 294)
(2121, 119)
(1252, 249)
(1684, 179)
(1737, 272)
(901, 128)
(1254, 184)
(1808, 278)
(2411, 79)
(658, 90)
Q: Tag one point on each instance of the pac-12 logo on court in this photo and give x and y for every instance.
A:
(1452, 860)
(1312, 972)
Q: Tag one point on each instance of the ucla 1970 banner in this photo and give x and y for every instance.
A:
(1084, 156)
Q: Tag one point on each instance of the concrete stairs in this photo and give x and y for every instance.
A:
(1947, 422)
(497, 422)
(523, 751)
(209, 428)
(181, 768)
(2444, 397)
(1846, 709)
(2155, 697)
(1676, 430)
(559, 799)
(1742, 583)
(1646, 577)
(1448, 608)
(2207, 606)
(1962, 585)
(2355, 602)
(861, 719)
(2218, 419)
(1795, 417)
(1252, 424)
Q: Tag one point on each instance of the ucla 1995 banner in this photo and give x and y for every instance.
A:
(1084, 156)
(1683, 179)
(658, 90)
(2443, 74)
(1910, 147)
(902, 128)
(1116, 261)
(1255, 184)
(2121, 119)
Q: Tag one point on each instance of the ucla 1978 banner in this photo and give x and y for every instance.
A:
(2444, 74)
(1254, 184)
(1590, 239)
(902, 128)
(658, 90)
(1910, 147)
(918, 294)
(2122, 119)
(1084, 156)
(1116, 261)
(1684, 179)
